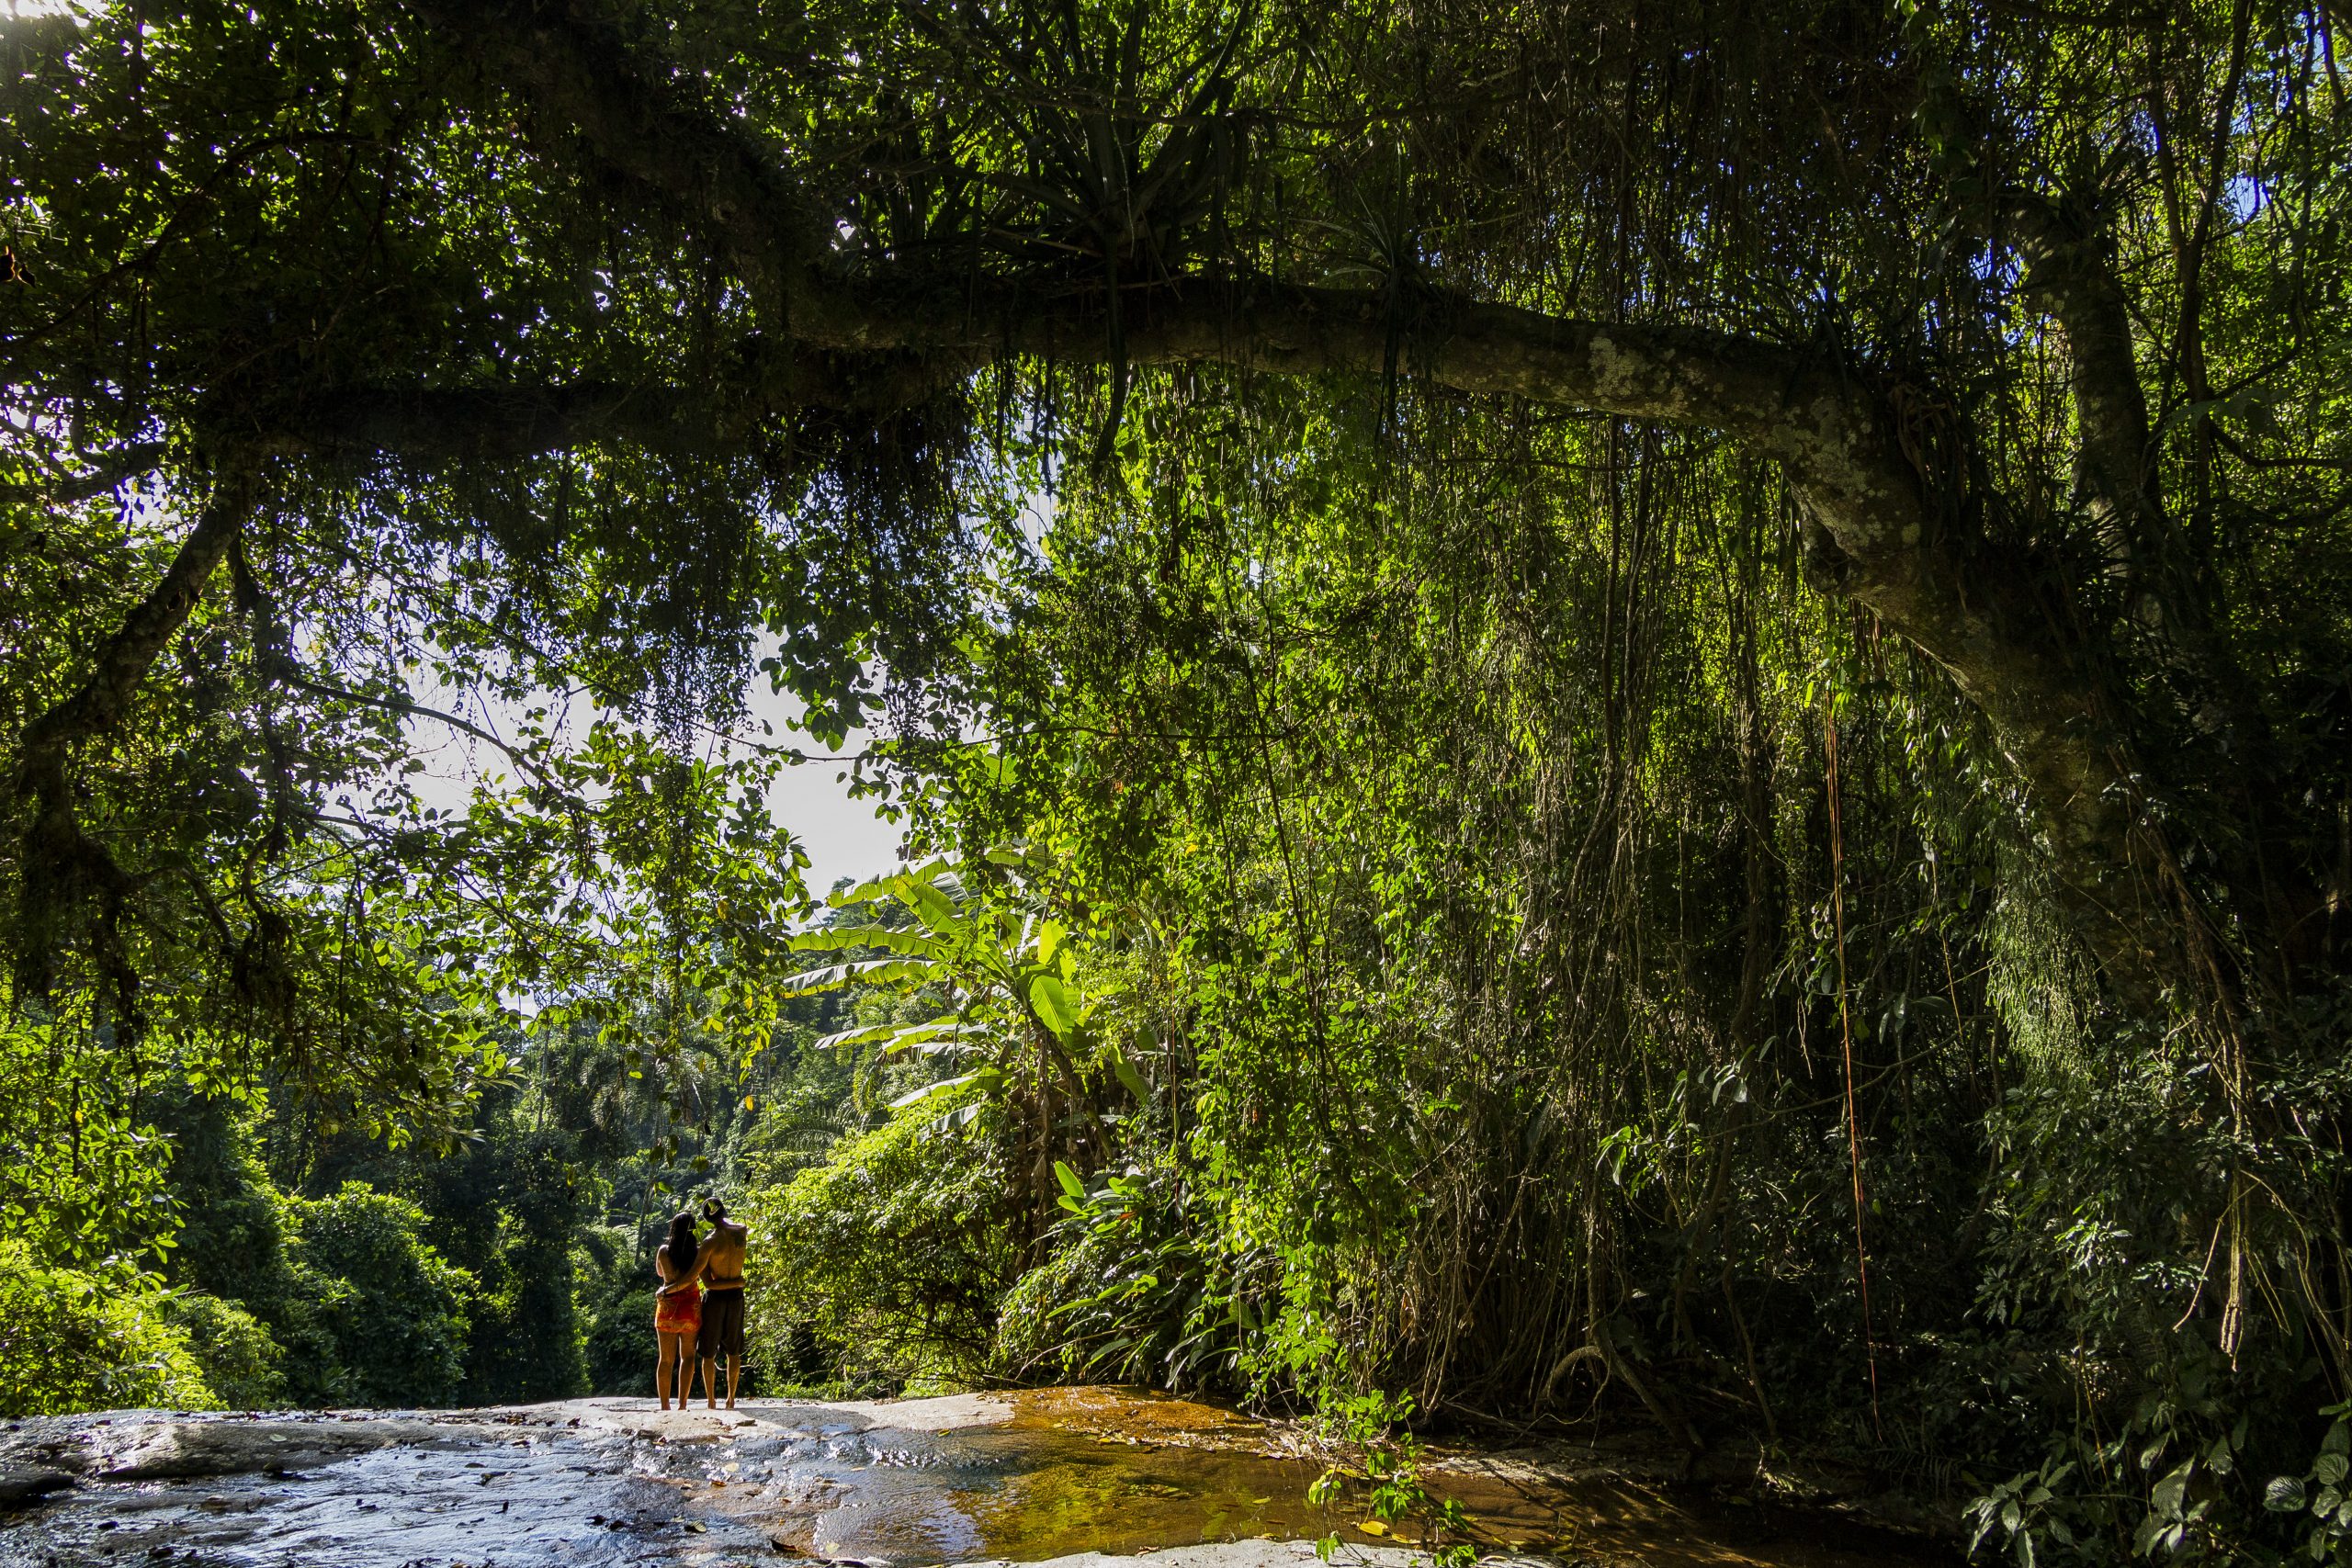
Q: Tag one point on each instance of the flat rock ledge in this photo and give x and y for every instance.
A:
(604, 1484)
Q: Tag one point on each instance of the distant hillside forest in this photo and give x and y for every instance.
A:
(1624, 712)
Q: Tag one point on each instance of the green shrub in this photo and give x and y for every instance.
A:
(893, 1253)
(75, 1341)
(81, 1179)
(620, 1344)
(232, 1218)
(243, 1365)
(392, 1309)
(1128, 1294)
(613, 1303)
(516, 1237)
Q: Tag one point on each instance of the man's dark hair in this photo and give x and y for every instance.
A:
(712, 1208)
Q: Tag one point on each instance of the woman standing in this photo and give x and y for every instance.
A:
(677, 1310)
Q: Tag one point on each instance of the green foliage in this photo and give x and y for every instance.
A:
(619, 1355)
(1808, 898)
(2319, 1500)
(503, 1207)
(82, 1179)
(394, 1311)
(982, 939)
(71, 1340)
(1128, 1293)
(232, 1234)
(241, 1363)
(1387, 1479)
(894, 1251)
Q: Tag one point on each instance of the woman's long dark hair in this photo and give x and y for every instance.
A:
(682, 1245)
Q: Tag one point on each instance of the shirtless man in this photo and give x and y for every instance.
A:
(720, 1264)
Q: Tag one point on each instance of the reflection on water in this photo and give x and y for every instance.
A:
(1111, 1471)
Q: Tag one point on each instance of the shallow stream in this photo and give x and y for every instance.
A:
(1019, 1478)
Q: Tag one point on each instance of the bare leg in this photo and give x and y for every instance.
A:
(666, 1353)
(709, 1385)
(734, 1371)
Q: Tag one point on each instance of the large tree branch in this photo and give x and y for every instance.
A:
(62, 866)
(437, 425)
(1879, 540)
(97, 704)
(1883, 543)
(491, 423)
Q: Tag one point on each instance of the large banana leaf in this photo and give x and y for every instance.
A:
(1054, 1003)
(939, 1034)
(834, 939)
(908, 971)
(986, 1077)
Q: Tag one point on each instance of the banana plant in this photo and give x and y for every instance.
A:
(1012, 972)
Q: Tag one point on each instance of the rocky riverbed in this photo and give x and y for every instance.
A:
(1074, 1477)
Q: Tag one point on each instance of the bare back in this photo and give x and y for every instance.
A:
(721, 1262)
(671, 1276)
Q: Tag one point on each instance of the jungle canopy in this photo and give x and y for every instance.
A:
(1641, 707)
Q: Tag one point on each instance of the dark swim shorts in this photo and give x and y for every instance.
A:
(722, 1323)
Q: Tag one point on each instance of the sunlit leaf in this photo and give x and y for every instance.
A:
(1051, 999)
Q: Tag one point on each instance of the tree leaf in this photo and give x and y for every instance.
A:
(986, 1077)
(2166, 1497)
(861, 971)
(1131, 1080)
(1053, 1004)
(835, 939)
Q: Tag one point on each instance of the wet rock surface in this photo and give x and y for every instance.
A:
(154, 1488)
(1077, 1478)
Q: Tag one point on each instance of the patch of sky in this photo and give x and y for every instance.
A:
(840, 833)
(34, 10)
